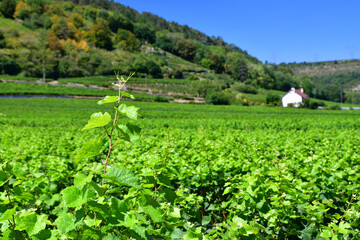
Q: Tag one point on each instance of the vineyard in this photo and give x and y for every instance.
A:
(195, 172)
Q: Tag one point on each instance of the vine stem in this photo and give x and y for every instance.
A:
(116, 117)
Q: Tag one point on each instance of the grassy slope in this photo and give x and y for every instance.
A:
(11, 24)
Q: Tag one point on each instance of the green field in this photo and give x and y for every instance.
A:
(199, 171)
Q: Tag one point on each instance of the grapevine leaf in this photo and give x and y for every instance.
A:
(130, 132)
(89, 149)
(343, 227)
(108, 99)
(92, 222)
(141, 231)
(98, 120)
(126, 94)
(65, 222)
(177, 234)
(170, 195)
(42, 235)
(74, 197)
(123, 176)
(8, 214)
(32, 223)
(150, 206)
(130, 112)
(80, 179)
(111, 237)
(164, 181)
(3, 178)
(97, 188)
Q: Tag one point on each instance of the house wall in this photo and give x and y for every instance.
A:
(292, 97)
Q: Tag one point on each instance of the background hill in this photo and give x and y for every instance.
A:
(344, 74)
(55, 40)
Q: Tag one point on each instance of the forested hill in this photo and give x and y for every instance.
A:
(344, 74)
(60, 39)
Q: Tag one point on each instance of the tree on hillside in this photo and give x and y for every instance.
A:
(119, 21)
(126, 40)
(185, 49)
(100, 36)
(7, 8)
(218, 63)
(144, 33)
(241, 71)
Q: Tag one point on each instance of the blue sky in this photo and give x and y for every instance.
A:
(276, 31)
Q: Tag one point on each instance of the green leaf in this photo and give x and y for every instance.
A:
(130, 132)
(74, 197)
(81, 180)
(92, 222)
(8, 214)
(130, 112)
(89, 149)
(150, 206)
(164, 181)
(108, 99)
(65, 222)
(97, 188)
(177, 234)
(3, 178)
(42, 235)
(126, 94)
(141, 231)
(343, 227)
(123, 176)
(97, 120)
(32, 223)
(206, 220)
(170, 195)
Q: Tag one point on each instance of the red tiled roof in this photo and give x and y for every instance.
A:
(303, 95)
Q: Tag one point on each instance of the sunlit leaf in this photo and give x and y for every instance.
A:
(130, 132)
(108, 99)
(130, 112)
(98, 120)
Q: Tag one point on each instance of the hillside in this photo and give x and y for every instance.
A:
(69, 39)
(345, 74)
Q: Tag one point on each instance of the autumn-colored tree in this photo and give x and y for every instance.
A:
(77, 20)
(100, 36)
(53, 42)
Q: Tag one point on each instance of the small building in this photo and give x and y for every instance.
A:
(294, 96)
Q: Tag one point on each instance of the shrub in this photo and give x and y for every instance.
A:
(307, 103)
(273, 99)
(245, 88)
(161, 99)
(217, 98)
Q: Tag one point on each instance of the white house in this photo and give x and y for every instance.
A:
(294, 96)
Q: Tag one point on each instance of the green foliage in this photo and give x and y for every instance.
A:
(203, 171)
(307, 103)
(126, 40)
(185, 49)
(100, 36)
(245, 88)
(7, 8)
(144, 33)
(161, 99)
(217, 98)
(273, 99)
